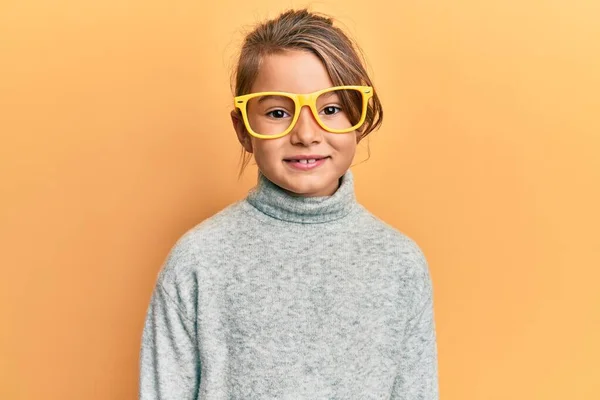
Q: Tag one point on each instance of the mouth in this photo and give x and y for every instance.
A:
(312, 159)
(306, 164)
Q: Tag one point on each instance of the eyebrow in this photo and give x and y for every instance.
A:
(328, 94)
(270, 96)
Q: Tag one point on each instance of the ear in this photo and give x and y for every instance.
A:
(359, 136)
(240, 130)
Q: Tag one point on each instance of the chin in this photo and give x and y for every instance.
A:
(303, 183)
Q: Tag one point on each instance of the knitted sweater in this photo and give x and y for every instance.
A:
(287, 297)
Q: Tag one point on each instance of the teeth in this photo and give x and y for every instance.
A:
(310, 161)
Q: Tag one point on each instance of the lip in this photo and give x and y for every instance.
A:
(307, 157)
(306, 167)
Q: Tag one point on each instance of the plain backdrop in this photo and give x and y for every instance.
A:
(116, 139)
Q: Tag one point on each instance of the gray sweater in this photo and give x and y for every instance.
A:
(287, 297)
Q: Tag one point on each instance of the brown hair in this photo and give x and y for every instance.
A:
(307, 31)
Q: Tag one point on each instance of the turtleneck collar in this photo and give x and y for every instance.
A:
(274, 201)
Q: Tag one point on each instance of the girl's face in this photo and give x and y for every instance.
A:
(298, 72)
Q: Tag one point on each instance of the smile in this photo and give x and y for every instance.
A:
(306, 164)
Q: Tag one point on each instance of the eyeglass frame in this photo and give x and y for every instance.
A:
(301, 100)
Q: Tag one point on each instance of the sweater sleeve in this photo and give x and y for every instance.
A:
(417, 377)
(169, 360)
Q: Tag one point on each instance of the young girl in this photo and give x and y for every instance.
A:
(297, 291)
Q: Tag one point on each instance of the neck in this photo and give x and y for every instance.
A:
(281, 204)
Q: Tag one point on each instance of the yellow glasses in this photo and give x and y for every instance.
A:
(271, 115)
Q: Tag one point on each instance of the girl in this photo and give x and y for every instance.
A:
(297, 291)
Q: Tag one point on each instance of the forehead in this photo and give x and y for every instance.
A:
(291, 71)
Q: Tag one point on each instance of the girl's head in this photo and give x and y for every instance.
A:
(301, 53)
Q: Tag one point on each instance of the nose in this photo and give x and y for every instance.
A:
(307, 131)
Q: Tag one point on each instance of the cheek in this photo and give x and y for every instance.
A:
(266, 150)
(344, 143)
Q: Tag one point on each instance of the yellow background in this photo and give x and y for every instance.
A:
(116, 139)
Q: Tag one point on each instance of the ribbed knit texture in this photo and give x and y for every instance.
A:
(286, 297)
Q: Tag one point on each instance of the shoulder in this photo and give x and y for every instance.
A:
(201, 245)
(402, 254)
(394, 243)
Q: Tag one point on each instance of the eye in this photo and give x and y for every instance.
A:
(277, 114)
(331, 110)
